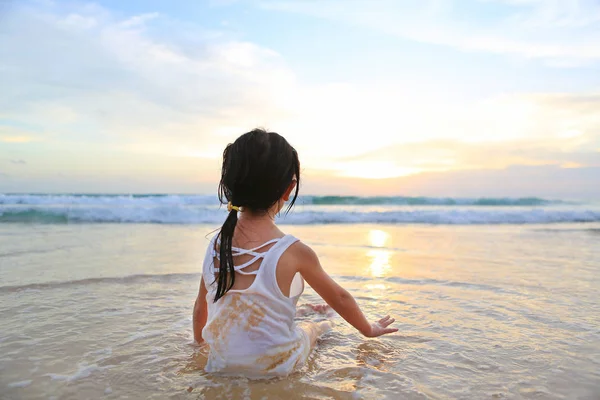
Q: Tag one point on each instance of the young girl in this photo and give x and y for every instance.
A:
(253, 273)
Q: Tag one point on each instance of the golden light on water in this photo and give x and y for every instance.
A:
(380, 262)
(380, 258)
(376, 286)
(378, 238)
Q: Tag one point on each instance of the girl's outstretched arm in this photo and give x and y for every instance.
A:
(200, 313)
(336, 296)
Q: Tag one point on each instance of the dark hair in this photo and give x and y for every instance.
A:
(257, 170)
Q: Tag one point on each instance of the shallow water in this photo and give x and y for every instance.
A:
(104, 311)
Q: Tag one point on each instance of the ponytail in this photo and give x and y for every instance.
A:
(226, 277)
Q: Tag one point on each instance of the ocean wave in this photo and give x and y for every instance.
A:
(90, 281)
(428, 201)
(179, 276)
(107, 199)
(196, 200)
(301, 215)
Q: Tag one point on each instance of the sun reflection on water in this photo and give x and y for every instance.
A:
(380, 262)
(378, 238)
(380, 258)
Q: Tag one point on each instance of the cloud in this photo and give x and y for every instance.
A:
(544, 181)
(104, 91)
(14, 135)
(441, 155)
(147, 83)
(548, 129)
(18, 162)
(561, 33)
(137, 82)
(452, 155)
(15, 139)
(517, 181)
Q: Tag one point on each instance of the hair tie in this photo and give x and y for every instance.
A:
(231, 207)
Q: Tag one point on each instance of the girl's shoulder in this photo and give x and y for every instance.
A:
(299, 253)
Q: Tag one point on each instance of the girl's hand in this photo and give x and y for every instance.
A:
(380, 327)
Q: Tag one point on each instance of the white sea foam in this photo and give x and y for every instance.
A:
(196, 209)
(305, 215)
(143, 335)
(173, 199)
(20, 384)
(83, 372)
(99, 355)
(106, 200)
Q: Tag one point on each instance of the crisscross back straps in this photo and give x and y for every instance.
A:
(236, 252)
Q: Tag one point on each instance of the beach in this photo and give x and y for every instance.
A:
(492, 301)
(443, 162)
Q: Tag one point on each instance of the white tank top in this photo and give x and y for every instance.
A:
(252, 332)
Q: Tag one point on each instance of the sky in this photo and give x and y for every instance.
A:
(379, 97)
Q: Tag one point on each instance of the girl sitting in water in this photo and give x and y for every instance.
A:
(253, 273)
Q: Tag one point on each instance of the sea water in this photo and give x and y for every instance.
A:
(494, 298)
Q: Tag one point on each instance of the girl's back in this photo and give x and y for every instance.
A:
(251, 329)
